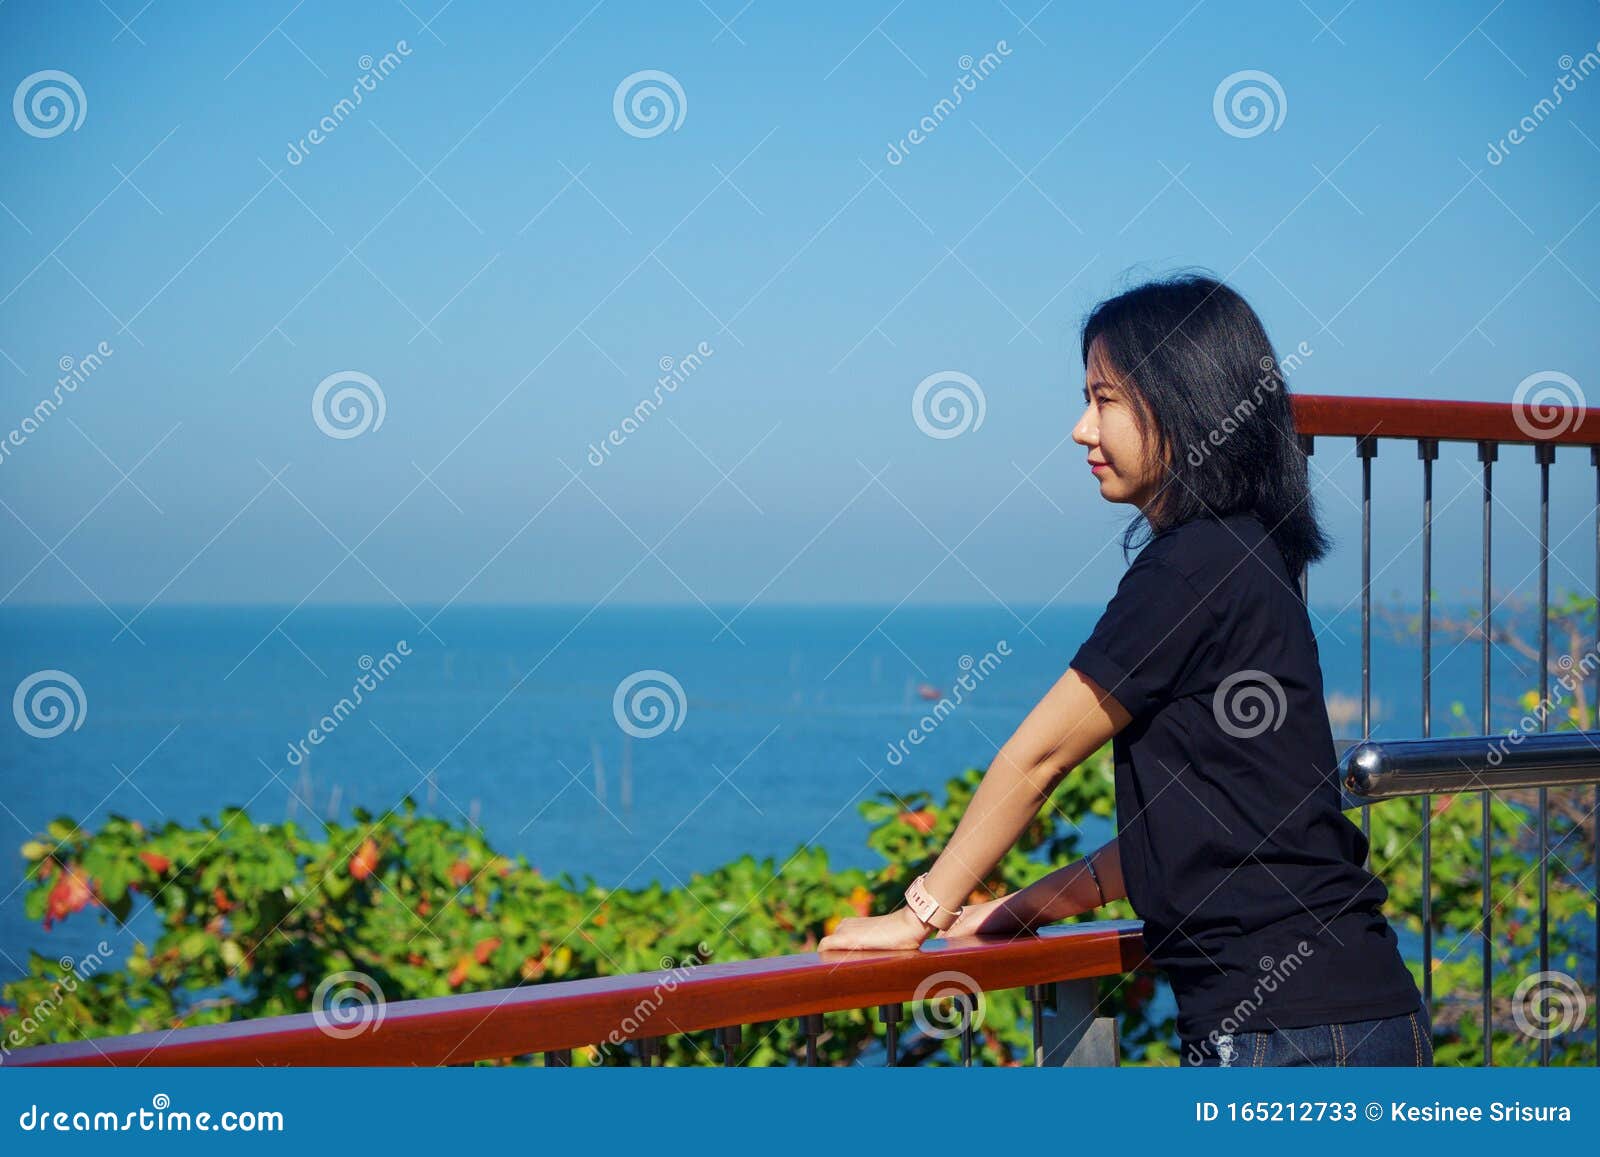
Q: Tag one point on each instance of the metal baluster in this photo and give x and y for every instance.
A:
(1594, 460)
(1427, 450)
(1487, 453)
(1367, 450)
(1035, 997)
(962, 1007)
(1544, 453)
(649, 1050)
(730, 1036)
(889, 1014)
(812, 1022)
(558, 1059)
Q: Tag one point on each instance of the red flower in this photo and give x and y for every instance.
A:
(459, 972)
(461, 873)
(483, 948)
(220, 899)
(365, 860)
(70, 894)
(156, 862)
(923, 821)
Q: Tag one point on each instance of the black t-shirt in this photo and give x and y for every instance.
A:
(1234, 848)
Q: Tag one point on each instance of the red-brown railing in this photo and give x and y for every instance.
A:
(558, 1017)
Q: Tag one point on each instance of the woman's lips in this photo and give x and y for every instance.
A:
(1096, 467)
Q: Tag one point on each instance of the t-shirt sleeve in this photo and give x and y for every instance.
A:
(1147, 638)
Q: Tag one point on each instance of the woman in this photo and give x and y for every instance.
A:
(1203, 673)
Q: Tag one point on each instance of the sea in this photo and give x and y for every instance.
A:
(621, 745)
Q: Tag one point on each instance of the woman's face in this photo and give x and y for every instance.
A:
(1126, 469)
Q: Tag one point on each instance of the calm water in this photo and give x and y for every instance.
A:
(501, 714)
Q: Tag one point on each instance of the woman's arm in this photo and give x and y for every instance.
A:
(1065, 892)
(1073, 721)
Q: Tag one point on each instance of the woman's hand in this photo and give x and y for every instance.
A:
(1004, 916)
(899, 929)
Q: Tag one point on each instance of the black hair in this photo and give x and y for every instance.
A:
(1208, 394)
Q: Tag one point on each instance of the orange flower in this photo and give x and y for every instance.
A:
(484, 948)
(923, 821)
(365, 860)
(459, 972)
(155, 861)
(861, 900)
(461, 873)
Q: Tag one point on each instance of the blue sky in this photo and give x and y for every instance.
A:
(483, 239)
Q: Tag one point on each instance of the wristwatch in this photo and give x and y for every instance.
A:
(926, 908)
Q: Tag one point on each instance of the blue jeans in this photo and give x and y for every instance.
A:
(1402, 1040)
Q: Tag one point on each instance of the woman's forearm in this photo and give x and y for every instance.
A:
(1071, 890)
(1008, 799)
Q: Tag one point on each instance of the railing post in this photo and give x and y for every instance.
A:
(1070, 1033)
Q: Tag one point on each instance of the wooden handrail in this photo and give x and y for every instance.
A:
(1325, 414)
(579, 1013)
